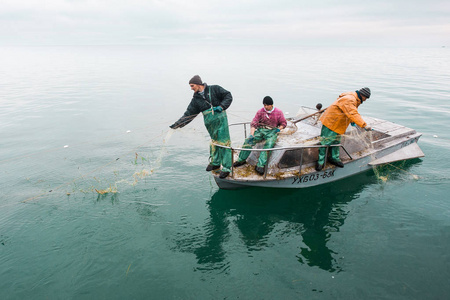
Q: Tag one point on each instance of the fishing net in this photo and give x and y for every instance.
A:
(88, 168)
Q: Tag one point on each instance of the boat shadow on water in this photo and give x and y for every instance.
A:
(307, 217)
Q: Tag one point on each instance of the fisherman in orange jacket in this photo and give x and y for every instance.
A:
(335, 121)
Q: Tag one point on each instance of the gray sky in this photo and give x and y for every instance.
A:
(417, 23)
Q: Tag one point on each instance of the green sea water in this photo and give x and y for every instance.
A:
(99, 200)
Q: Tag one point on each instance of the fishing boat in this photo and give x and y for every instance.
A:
(291, 163)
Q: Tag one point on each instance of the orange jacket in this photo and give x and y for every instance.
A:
(344, 110)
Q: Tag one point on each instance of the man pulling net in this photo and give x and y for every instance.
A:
(335, 121)
(212, 101)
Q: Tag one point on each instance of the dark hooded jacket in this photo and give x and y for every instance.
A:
(214, 95)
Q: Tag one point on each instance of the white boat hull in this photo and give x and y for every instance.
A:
(328, 174)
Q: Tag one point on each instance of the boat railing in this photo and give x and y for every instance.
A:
(278, 149)
(241, 123)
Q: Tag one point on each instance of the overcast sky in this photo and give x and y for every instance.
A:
(417, 23)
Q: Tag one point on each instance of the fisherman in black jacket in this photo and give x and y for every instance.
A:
(211, 101)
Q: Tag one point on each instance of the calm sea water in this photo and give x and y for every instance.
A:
(98, 202)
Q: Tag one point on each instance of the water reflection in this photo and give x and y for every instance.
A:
(311, 214)
(112, 197)
(262, 216)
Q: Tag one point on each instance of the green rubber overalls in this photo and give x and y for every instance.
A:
(217, 125)
(269, 135)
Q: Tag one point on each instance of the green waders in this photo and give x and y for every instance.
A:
(329, 137)
(217, 126)
(269, 135)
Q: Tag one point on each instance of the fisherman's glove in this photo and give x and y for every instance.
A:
(218, 109)
(368, 128)
(250, 139)
(277, 130)
(353, 124)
